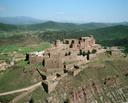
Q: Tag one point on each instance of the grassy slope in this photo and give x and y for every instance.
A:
(113, 66)
(7, 27)
(110, 33)
(7, 51)
(38, 96)
(15, 77)
(24, 48)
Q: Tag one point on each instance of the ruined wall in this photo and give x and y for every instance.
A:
(49, 86)
(87, 43)
(53, 63)
(35, 59)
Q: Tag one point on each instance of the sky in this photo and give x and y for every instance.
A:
(67, 10)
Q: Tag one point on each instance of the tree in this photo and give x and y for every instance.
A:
(125, 51)
(81, 53)
(66, 54)
(43, 63)
(109, 52)
(31, 100)
(27, 57)
(94, 51)
(69, 53)
(88, 55)
(84, 53)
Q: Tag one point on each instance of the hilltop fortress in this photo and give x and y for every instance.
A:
(64, 54)
(63, 58)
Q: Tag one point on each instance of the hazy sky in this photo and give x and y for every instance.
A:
(67, 10)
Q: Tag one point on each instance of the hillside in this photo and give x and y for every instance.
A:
(107, 33)
(50, 31)
(111, 36)
(102, 77)
(54, 26)
(7, 27)
(70, 26)
(110, 33)
(93, 25)
(50, 25)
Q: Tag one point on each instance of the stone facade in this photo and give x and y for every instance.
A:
(84, 43)
(49, 86)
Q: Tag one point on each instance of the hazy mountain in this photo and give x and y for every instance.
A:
(20, 20)
(53, 26)
(70, 26)
(67, 26)
(123, 23)
(93, 25)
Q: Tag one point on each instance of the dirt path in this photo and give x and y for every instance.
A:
(22, 90)
(22, 95)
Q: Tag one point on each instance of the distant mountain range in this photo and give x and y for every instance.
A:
(28, 23)
(106, 33)
(51, 25)
(23, 20)
(20, 20)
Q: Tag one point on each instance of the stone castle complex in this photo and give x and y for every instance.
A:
(63, 57)
(63, 53)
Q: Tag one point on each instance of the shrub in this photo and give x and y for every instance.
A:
(94, 51)
(84, 53)
(81, 53)
(109, 52)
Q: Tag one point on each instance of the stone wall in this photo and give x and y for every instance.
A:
(54, 63)
(35, 59)
(49, 86)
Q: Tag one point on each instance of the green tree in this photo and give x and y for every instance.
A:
(94, 51)
(81, 53)
(69, 53)
(125, 51)
(43, 63)
(31, 100)
(66, 54)
(84, 53)
(88, 55)
(109, 52)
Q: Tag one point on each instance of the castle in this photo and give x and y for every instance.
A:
(63, 54)
(62, 59)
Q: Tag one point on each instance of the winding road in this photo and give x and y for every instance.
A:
(22, 90)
